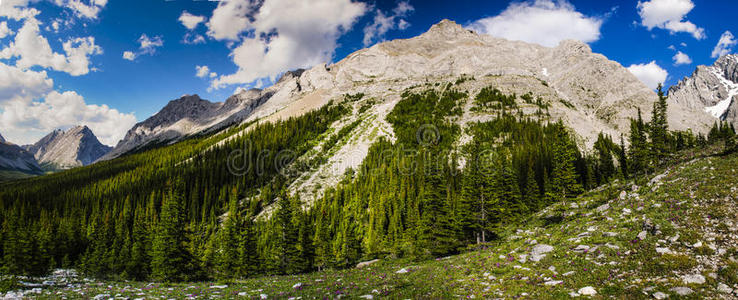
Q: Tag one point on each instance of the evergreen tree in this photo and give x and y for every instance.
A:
(288, 236)
(563, 174)
(659, 128)
(170, 260)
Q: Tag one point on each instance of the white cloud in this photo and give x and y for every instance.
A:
(682, 59)
(284, 35)
(32, 49)
(189, 20)
(17, 9)
(202, 71)
(128, 55)
(669, 15)
(22, 85)
(147, 46)
(26, 122)
(382, 23)
(30, 109)
(193, 38)
(724, 45)
(230, 19)
(83, 10)
(542, 22)
(4, 30)
(650, 74)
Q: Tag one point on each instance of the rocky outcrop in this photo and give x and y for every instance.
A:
(712, 89)
(15, 158)
(186, 116)
(78, 146)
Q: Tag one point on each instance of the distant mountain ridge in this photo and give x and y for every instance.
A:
(15, 158)
(713, 89)
(75, 147)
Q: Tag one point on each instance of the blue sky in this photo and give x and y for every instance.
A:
(90, 81)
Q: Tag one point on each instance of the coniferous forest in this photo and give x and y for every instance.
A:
(182, 212)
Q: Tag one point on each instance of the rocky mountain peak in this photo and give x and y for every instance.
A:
(2, 139)
(449, 28)
(728, 65)
(77, 146)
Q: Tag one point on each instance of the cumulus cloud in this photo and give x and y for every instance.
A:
(4, 30)
(231, 18)
(382, 23)
(650, 74)
(128, 55)
(30, 108)
(32, 49)
(283, 35)
(669, 15)
(203, 71)
(25, 122)
(17, 9)
(542, 22)
(147, 46)
(88, 10)
(20, 85)
(189, 20)
(682, 59)
(724, 45)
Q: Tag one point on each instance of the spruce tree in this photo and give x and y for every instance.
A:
(170, 260)
(659, 128)
(563, 174)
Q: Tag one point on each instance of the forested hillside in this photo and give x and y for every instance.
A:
(201, 209)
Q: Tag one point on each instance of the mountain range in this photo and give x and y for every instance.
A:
(585, 90)
(75, 147)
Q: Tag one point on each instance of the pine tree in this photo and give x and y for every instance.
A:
(229, 235)
(659, 128)
(563, 174)
(623, 158)
(170, 260)
(248, 256)
(639, 149)
(288, 236)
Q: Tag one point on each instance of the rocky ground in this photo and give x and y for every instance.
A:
(669, 235)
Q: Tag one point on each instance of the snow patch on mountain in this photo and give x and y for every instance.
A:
(721, 108)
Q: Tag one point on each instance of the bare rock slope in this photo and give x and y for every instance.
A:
(15, 158)
(585, 90)
(78, 146)
(712, 89)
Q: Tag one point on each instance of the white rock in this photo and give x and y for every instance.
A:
(693, 279)
(263, 296)
(660, 295)
(553, 282)
(623, 194)
(101, 296)
(568, 273)
(367, 297)
(663, 250)
(723, 288)
(603, 207)
(627, 211)
(402, 271)
(218, 286)
(682, 291)
(642, 235)
(697, 244)
(297, 285)
(587, 291)
(539, 252)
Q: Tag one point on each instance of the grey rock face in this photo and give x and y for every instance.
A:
(189, 115)
(713, 89)
(2, 139)
(75, 147)
(15, 158)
